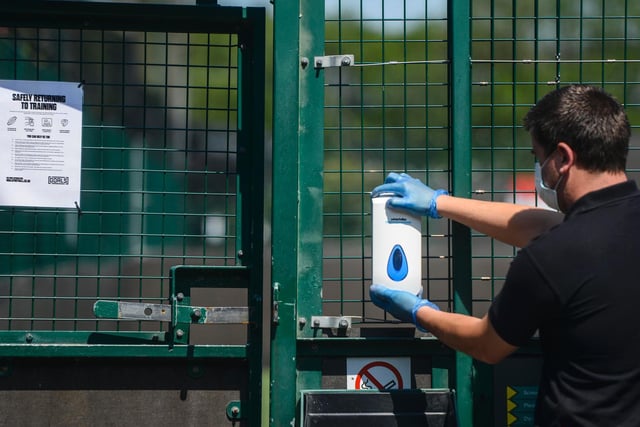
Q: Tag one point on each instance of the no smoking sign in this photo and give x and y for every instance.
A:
(378, 374)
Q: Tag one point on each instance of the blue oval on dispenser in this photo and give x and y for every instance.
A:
(397, 265)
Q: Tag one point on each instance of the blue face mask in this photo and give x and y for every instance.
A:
(547, 194)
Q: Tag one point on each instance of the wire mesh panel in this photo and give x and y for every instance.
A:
(389, 112)
(520, 52)
(161, 180)
(401, 106)
(168, 227)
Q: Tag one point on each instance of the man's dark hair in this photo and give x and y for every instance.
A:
(589, 120)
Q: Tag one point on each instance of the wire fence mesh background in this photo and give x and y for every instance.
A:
(159, 145)
(158, 173)
(390, 113)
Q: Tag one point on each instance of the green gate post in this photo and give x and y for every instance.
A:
(285, 190)
(460, 100)
(311, 161)
(297, 197)
(251, 195)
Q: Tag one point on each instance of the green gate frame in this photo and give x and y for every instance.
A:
(159, 347)
(297, 353)
(298, 37)
(513, 53)
(297, 228)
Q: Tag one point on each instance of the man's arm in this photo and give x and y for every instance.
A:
(471, 335)
(509, 223)
(512, 224)
(468, 334)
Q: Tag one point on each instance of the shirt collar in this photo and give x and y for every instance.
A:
(603, 196)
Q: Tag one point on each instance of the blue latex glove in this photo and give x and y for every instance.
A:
(409, 194)
(402, 305)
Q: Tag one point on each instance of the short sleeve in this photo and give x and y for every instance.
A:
(525, 303)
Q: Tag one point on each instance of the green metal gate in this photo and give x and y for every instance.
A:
(439, 92)
(120, 310)
(170, 223)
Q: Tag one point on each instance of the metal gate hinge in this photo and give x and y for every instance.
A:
(332, 61)
(275, 300)
(175, 314)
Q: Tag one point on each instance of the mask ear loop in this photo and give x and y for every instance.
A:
(548, 195)
(555, 187)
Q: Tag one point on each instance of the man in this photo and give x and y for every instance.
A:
(577, 278)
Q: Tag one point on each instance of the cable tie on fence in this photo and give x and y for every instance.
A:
(78, 208)
(554, 82)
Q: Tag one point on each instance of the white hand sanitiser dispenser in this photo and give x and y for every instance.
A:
(397, 250)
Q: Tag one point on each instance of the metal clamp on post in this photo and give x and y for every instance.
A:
(331, 61)
(341, 324)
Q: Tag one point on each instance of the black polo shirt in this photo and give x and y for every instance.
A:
(579, 285)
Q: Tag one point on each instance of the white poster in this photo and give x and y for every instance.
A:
(41, 143)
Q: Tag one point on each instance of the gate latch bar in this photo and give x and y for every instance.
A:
(124, 310)
(332, 61)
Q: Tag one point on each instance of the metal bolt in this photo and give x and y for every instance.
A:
(304, 62)
(319, 63)
(316, 323)
(179, 333)
(197, 313)
(196, 371)
(29, 338)
(240, 253)
(343, 324)
(235, 411)
(346, 61)
(302, 321)
(180, 296)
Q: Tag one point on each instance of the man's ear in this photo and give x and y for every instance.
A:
(567, 157)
